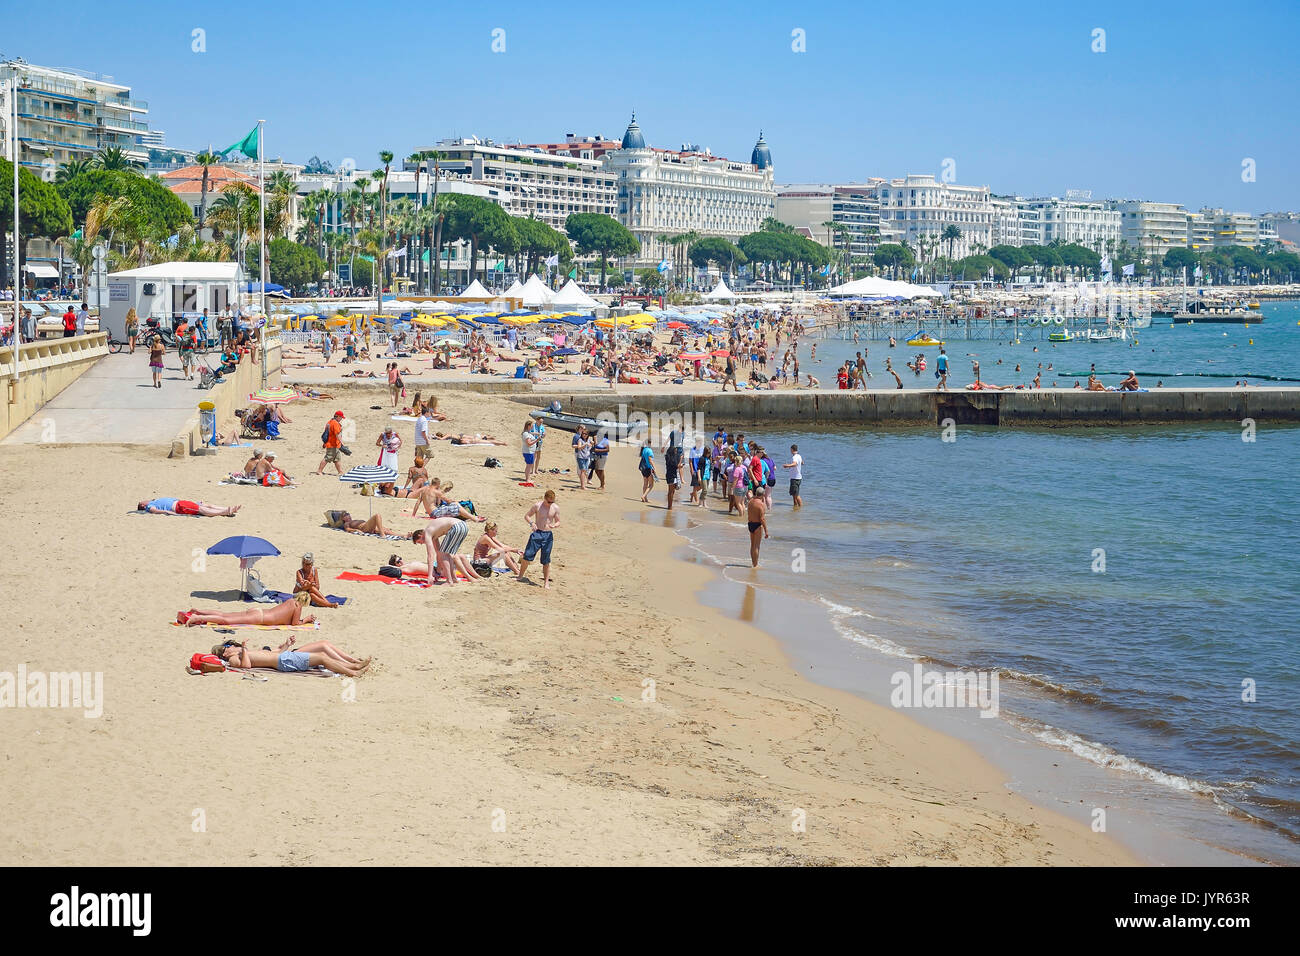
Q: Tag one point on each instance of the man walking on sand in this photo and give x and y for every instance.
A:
(333, 442)
(796, 476)
(543, 518)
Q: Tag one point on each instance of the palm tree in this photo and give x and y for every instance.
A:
(114, 158)
(385, 157)
(950, 235)
(72, 169)
(235, 214)
(205, 159)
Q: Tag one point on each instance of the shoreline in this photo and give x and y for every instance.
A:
(1051, 778)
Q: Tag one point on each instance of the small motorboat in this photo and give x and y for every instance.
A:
(1065, 335)
(612, 428)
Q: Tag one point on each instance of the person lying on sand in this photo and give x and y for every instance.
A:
(314, 654)
(464, 439)
(179, 506)
(287, 612)
(372, 525)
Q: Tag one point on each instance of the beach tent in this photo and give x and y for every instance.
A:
(874, 287)
(535, 293)
(572, 295)
(720, 291)
(516, 291)
(476, 290)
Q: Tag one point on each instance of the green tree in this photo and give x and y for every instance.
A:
(1178, 259)
(42, 211)
(651, 280)
(595, 232)
(1014, 258)
(157, 204)
(72, 169)
(291, 264)
(893, 256)
(484, 225)
(950, 235)
(114, 159)
(717, 250)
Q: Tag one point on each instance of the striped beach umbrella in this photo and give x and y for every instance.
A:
(369, 475)
(273, 396)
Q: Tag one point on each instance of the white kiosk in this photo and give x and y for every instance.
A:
(168, 291)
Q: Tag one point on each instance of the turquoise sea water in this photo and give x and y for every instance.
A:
(982, 553)
(1179, 355)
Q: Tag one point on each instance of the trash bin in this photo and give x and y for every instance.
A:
(208, 424)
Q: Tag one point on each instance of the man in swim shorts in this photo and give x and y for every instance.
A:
(442, 539)
(543, 517)
(179, 506)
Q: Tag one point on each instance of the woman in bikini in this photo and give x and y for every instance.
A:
(487, 549)
(287, 613)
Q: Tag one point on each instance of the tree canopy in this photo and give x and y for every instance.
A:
(594, 232)
(154, 202)
(292, 264)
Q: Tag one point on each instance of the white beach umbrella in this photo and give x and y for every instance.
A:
(369, 474)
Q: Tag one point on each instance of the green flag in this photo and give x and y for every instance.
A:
(247, 145)
(499, 267)
(574, 273)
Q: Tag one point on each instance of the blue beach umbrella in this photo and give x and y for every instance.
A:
(247, 549)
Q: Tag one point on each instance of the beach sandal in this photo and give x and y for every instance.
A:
(526, 484)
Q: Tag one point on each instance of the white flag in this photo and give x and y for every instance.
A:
(553, 260)
(1196, 273)
(397, 253)
(1105, 265)
(1128, 269)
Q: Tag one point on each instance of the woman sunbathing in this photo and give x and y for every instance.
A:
(287, 612)
(372, 525)
(463, 439)
(314, 654)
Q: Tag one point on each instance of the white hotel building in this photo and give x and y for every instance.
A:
(667, 192)
(1085, 222)
(68, 114)
(917, 207)
(538, 184)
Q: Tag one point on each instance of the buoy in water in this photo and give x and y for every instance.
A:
(1251, 342)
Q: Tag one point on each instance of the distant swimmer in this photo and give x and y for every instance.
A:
(757, 522)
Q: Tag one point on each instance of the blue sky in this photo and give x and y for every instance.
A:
(1010, 91)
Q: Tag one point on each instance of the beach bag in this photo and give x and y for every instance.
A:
(468, 506)
(274, 479)
(389, 571)
(482, 568)
(205, 664)
(272, 428)
(325, 435)
(492, 463)
(334, 519)
(255, 588)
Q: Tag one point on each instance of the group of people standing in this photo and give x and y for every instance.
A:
(738, 469)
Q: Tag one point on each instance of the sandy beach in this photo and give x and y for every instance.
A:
(501, 724)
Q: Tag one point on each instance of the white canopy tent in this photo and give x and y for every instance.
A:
(476, 290)
(516, 291)
(535, 293)
(572, 296)
(720, 292)
(874, 287)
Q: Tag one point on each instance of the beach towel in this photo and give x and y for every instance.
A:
(279, 597)
(367, 534)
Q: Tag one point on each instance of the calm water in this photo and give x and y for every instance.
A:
(1176, 354)
(980, 553)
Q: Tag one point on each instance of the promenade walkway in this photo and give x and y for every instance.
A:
(114, 403)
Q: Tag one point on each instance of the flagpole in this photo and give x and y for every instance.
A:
(261, 199)
(18, 280)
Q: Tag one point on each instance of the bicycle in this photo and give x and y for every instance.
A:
(115, 346)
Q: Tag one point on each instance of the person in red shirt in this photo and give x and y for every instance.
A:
(69, 323)
(332, 444)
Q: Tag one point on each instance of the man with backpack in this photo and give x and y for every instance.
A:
(331, 440)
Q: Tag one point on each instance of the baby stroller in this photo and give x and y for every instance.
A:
(208, 376)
